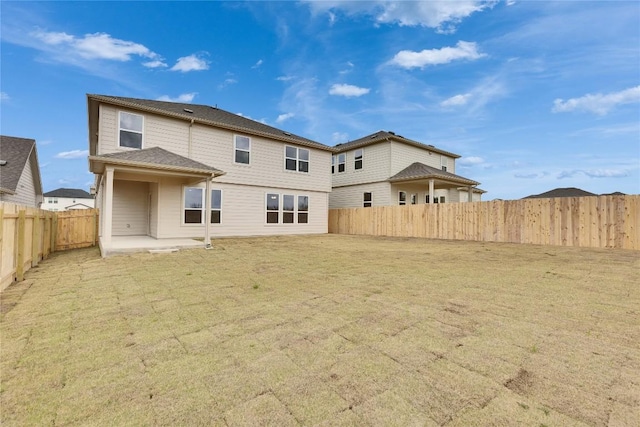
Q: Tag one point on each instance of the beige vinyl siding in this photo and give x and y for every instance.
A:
(243, 212)
(25, 190)
(421, 191)
(376, 165)
(130, 208)
(403, 155)
(153, 209)
(352, 196)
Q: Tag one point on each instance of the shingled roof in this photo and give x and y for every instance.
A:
(155, 157)
(421, 171)
(382, 136)
(15, 152)
(561, 192)
(207, 115)
(70, 193)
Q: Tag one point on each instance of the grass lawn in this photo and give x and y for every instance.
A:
(326, 330)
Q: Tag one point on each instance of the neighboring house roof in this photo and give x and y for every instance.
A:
(204, 114)
(14, 154)
(382, 136)
(75, 205)
(421, 171)
(615, 193)
(70, 193)
(156, 158)
(561, 192)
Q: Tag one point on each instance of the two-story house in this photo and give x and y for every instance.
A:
(385, 169)
(173, 170)
(67, 199)
(20, 180)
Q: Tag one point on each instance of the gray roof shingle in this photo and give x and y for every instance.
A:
(157, 156)
(421, 171)
(382, 136)
(561, 192)
(70, 193)
(15, 151)
(212, 116)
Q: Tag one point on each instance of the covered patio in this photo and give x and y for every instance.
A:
(428, 179)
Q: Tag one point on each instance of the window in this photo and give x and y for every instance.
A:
(444, 162)
(273, 208)
(55, 200)
(367, 200)
(441, 199)
(296, 159)
(426, 199)
(333, 164)
(303, 209)
(414, 199)
(435, 199)
(194, 205)
(242, 146)
(358, 160)
(402, 198)
(342, 160)
(130, 128)
(288, 209)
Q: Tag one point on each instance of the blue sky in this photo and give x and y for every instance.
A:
(533, 95)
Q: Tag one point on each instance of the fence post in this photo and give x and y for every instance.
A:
(54, 231)
(20, 260)
(35, 239)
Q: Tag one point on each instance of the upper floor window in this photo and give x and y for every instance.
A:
(130, 129)
(296, 159)
(342, 160)
(358, 159)
(333, 164)
(444, 162)
(242, 148)
(402, 198)
(367, 200)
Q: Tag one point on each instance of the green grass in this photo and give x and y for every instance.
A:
(341, 330)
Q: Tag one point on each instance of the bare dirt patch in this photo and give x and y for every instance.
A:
(325, 330)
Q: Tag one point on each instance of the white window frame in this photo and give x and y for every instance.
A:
(281, 209)
(367, 203)
(120, 129)
(413, 199)
(235, 149)
(360, 159)
(343, 162)
(297, 159)
(203, 216)
(444, 163)
(400, 201)
(333, 164)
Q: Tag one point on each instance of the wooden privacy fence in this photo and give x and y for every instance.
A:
(598, 222)
(28, 235)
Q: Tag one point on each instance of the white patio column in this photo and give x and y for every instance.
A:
(207, 215)
(470, 193)
(107, 209)
(431, 183)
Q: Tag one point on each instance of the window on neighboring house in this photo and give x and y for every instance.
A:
(444, 162)
(441, 199)
(358, 159)
(426, 199)
(435, 199)
(303, 209)
(367, 200)
(414, 199)
(288, 208)
(55, 200)
(242, 148)
(273, 208)
(130, 128)
(194, 204)
(402, 198)
(296, 159)
(342, 160)
(333, 164)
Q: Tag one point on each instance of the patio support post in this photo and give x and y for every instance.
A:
(207, 216)
(108, 207)
(470, 193)
(431, 191)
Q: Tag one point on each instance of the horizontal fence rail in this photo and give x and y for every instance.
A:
(28, 235)
(597, 222)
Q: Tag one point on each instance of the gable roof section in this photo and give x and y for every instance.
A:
(382, 136)
(154, 158)
(17, 152)
(561, 192)
(70, 193)
(421, 171)
(203, 114)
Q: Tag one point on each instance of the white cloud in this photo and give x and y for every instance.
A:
(348, 90)
(258, 64)
(410, 59)
(284, 78)
(94, 46)
(337, 137)
(598, 103)
(227, 82)
(441, 15)
(471, 160)
(284, 117)
(185, 97)
(73, 154)
(154, 64)
(190, 63)
(456, 100)
(4, 96)
(594, 173)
